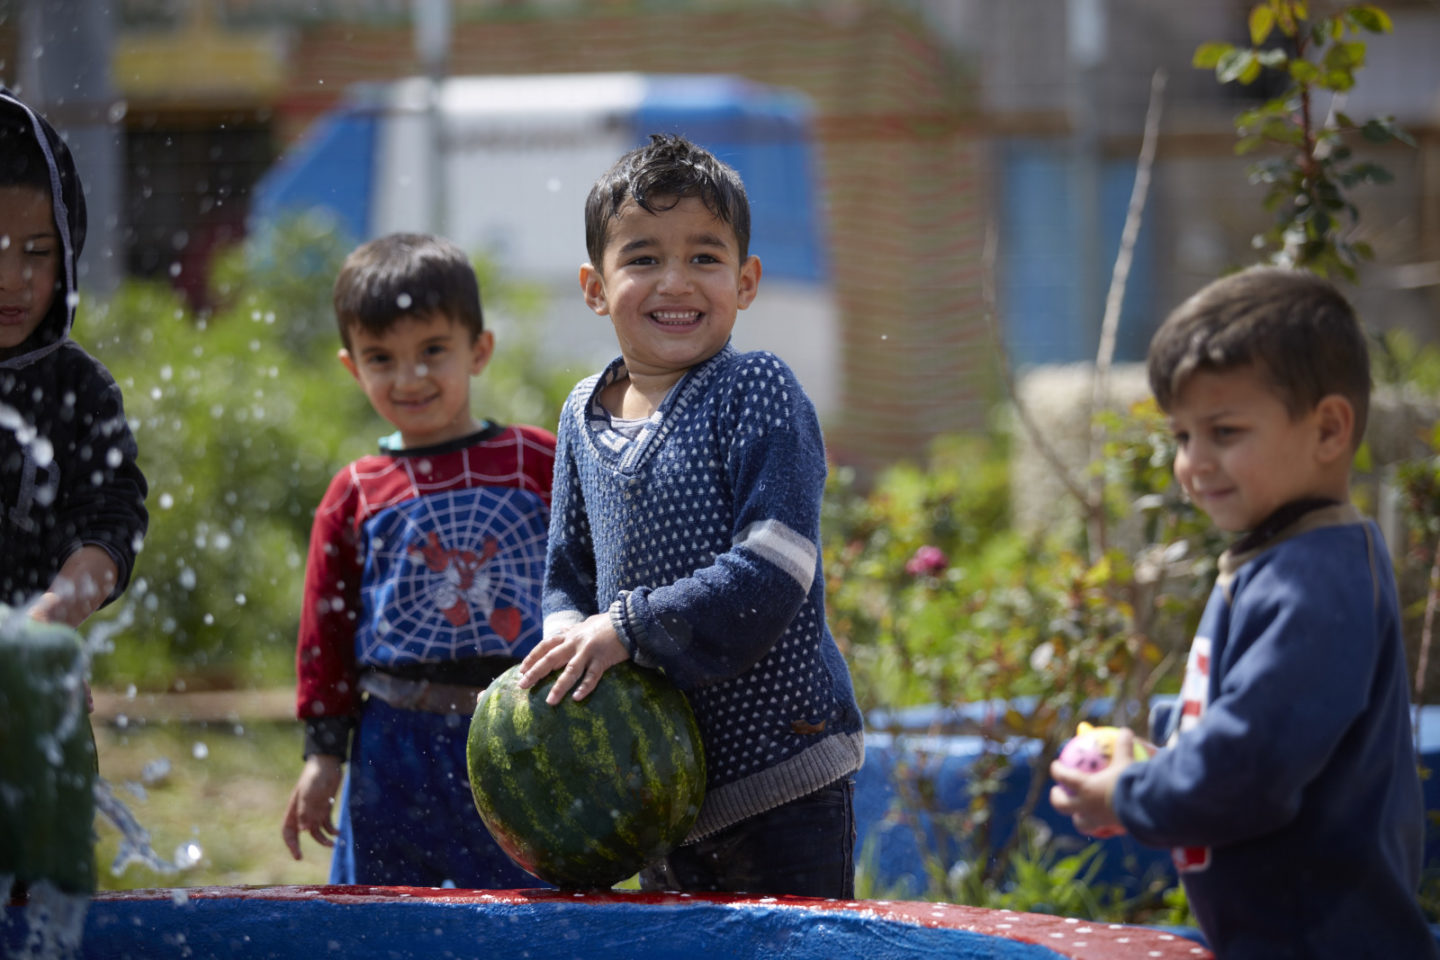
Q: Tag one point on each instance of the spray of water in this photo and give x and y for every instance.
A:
(53, 923)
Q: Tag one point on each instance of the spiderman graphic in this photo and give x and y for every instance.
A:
(464, 583)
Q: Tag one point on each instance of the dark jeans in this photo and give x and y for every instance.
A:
(804, 848)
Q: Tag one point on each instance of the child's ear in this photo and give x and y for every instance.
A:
(749, 281)
(481, 351)
(592, 287)
(1335, 419)
(349, 362)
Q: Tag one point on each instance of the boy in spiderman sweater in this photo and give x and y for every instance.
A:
(422, 584)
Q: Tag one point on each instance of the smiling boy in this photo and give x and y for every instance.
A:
(1288, 789)
(422, 584)
(685, 535)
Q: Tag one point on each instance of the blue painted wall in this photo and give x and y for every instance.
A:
(1044, 250)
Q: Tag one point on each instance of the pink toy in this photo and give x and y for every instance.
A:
(1092, 747)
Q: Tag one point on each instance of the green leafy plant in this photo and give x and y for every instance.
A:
(1311, 167)
(937, 600)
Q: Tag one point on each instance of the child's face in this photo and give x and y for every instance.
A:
(1240, 455)
(671, 283)
(417, 375)
(29, 262)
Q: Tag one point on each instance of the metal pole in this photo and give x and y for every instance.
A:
(65, 74)
(432, 47)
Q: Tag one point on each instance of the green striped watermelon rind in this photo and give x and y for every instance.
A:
(584, 794)
(47, 757)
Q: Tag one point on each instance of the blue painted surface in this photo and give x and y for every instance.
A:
(423, 925)
(331, 168)
(1044, 252)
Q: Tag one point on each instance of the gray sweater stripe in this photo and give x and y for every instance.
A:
(801, 775)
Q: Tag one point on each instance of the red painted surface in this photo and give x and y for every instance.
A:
(1076, 939)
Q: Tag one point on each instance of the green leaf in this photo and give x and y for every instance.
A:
(1369, 17)
(1369, 173)
(1272, 58)
(1345, 56)
(1262, 21)
(1338, 80)
(1233, 64)
(1286, 14)
(1375, 131)
(1283, 131)
(1302, 71)
(1246, 144)
(1383, 130)
(1208, 55)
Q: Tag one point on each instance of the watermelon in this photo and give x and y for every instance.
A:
(47, 756)
(585, 794)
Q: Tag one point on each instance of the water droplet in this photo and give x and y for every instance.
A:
(188, 854)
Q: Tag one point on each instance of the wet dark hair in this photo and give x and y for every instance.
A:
(659, 175)
(406, 275)
(1294, 327)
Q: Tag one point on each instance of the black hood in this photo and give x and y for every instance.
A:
(68, 203)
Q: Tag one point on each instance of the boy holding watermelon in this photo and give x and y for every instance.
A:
(422, 583)
(685, 532)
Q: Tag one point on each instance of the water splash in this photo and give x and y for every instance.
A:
(135, 840)
(52, 923)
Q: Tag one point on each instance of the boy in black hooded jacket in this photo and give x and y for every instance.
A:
(72, 499)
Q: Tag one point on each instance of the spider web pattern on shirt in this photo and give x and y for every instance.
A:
(432, 593)
(404, 596)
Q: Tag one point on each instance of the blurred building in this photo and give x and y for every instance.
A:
(938, 123)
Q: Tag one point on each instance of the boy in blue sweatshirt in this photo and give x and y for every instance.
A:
(685, 532)
(1288, 789)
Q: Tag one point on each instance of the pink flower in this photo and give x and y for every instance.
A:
(927, 561)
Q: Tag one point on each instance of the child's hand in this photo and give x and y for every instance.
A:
(1086, 797)
(312, 802)
(585, 650)
(86, 579)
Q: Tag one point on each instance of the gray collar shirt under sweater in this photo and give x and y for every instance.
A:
(701, 537)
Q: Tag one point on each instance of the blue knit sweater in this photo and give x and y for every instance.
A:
(701, 537)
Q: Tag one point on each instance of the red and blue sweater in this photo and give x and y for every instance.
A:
(422, 556)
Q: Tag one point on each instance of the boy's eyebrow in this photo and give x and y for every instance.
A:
(428, 341)
(706, 239)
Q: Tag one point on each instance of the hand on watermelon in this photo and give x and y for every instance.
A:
(582, 652)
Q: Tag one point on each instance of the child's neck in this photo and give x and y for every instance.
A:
(638, 395)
